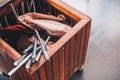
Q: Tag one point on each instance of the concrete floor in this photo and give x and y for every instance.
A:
(102, 60)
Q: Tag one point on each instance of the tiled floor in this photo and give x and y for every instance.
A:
(103, 56)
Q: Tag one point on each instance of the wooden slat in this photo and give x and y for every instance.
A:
(63, 9)
(21, 74)
(27, 75)
(17, 75)
(72, 43)
(61, 63)
(2, 61)
(67, 60)
(55, 66)
(42, 73)
(77, 51)
(82, 45)
(86, 41)
(49, 70)
(8, 64)
(36, 76)
(5, 62)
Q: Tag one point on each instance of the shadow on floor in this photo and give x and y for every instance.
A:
(77, 75)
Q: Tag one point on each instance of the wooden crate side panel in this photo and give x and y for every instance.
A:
(22, 73)
(77, 43)
(2, 62)
(42, 73)
(82, 45)
(77, 50)
(71, 65)
(36, 76)
(10, 65)
(53, 69)
(7, 63)
(55, 65)
(61, 63)
(86, 41)
(49, 69)
(67, 60)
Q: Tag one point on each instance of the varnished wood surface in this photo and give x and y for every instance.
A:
(102, 61)
(9, 50)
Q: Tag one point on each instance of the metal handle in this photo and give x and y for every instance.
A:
(19, 65)
(35, 46)
(39, 53)
(42, 46)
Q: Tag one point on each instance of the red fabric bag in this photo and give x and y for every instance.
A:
(12, 34)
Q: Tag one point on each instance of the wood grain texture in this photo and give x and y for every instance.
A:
(49, 70)
(82, 45)
(86, 41)
(77, 51)
(36, 76)
(55, 65)
(42, 73)
(67, 61)
(61, 63)
(72, 54)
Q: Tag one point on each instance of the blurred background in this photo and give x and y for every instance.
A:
(103, 55)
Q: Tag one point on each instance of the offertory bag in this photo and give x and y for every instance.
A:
(47, 22)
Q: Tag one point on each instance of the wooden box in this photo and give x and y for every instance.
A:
(68, 54)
